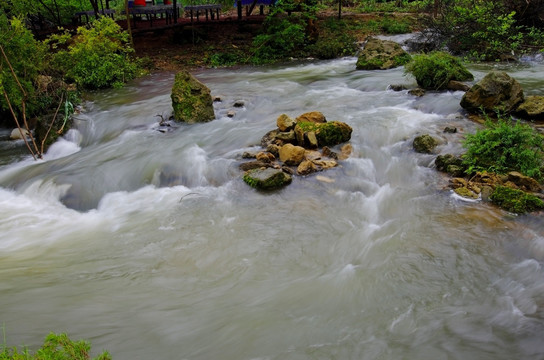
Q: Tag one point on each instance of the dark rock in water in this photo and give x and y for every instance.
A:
(496, 92)
(191, 100)
(239, 104)
(443, 161)
(267, 179)
(286, 137)
(425, 144)
(455, 170)
(269, 138)
(397, 87)
(273, 149)
(532, 108)
(450, 130)
(417, 92)
(381, 55)
(326, 151)
(455, 85)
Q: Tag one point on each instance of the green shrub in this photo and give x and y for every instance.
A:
(516, 201)
(55, 347)
(220, 59)
(435, 70)
(394, 26)
(502, 147)
(97, 57)
(26, 56)
(281, 39)
(335, 40)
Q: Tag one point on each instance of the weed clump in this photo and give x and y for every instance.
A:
(435, 70)
(503, 146)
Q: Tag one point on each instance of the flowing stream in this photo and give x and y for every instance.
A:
(149, 244)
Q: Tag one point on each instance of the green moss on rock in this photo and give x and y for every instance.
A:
(266, 179)
(327, 134)
(191, 100)
(516, 201)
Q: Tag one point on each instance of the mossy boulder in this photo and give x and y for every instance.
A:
(516, 201)
(425, 144)
(381, 55)
(532, 108)
(497, 92)
(451, 164)
(327, 134)
(191, 100)
(267, 179)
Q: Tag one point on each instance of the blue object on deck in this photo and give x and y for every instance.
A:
(259, 2)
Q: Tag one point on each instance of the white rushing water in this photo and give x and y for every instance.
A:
(150, 245)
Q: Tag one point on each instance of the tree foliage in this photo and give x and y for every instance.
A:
(21, 62)
(98, 57)
(482, 29)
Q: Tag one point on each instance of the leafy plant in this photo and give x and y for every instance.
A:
(435, 70)
(504, 146)
(55, 347)
(97, 57)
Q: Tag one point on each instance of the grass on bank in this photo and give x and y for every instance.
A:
(55, 347)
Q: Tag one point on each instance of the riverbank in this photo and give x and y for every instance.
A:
(205, 44)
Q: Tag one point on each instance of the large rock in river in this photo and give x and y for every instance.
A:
(496, 92)
(381, 55)
(191, 100)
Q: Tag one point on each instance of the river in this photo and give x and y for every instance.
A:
(149, 245)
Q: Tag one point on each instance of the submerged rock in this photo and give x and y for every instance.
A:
(191, 100)
(496, 92)
(381, 55)
(451, 164)
(267, 179)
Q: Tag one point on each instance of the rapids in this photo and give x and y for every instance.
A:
(149, 244)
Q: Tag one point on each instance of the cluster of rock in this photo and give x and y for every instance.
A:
(298, 146)
(497, 92)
